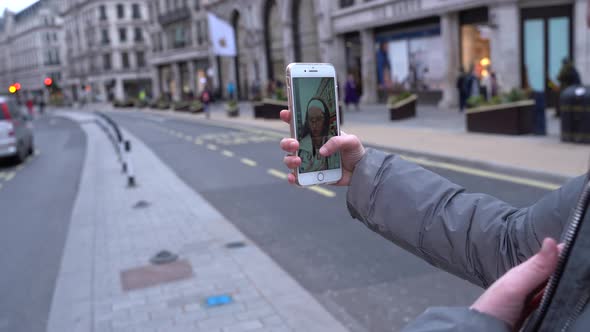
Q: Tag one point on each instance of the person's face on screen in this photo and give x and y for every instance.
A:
(316, 121)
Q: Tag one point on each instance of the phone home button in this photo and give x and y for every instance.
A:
(320, 176)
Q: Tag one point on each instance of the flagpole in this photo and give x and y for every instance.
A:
(220, 91)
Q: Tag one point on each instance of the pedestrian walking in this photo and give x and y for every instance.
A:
(41, 105)
(460, 85)
(508, 250)
(351, 95)
(568, 75)
(206, 99)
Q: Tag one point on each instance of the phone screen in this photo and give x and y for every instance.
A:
(315, 120)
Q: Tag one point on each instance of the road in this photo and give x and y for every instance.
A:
(36, 201)
(363, 280)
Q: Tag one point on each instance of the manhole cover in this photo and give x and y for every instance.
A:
(141, 205)
(218, 300)
(163, 257)
(235, 245)
(153, 275)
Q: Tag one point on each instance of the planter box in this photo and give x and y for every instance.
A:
(510, 119)
(403, 109)
(269, 108)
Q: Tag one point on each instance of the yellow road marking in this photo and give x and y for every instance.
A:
(9, 176)
(248, 162)
(322, 191)
(485, 174)
(227, 153)
(198, 141)
(211, 147)
(277, 174)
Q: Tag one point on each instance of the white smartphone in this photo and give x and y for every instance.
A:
(313, 102)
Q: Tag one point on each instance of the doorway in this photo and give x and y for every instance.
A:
(547, 39)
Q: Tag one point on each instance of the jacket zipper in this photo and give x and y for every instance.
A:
(577, 311)
(568, 240)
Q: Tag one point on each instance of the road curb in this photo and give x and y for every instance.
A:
(488, 166)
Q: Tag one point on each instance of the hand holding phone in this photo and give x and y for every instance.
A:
(313, 103)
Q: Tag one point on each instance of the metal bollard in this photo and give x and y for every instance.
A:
(129, 168)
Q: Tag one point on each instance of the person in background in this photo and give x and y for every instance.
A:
(29, 104)
(206, 99)
(471, 84)
(351, 95)
(461, 89)
(568, 75)
(41, 105)
(231, 89)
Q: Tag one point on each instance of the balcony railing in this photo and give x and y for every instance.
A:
(176, 15)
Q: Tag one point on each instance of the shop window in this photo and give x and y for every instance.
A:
(475, 49)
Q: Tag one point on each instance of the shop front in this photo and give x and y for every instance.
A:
(409, 57)
(547, 35)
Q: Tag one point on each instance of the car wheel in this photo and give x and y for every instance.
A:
(21, 154)
(31, 148)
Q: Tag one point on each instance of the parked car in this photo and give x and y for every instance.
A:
(16, 131)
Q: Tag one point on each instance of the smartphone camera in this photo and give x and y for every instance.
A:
(305, 71)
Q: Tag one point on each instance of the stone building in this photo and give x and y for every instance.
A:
(107, 49)
(180, 55)
(417, 44)
(31, 49)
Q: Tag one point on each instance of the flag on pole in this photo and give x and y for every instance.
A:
(222, 36)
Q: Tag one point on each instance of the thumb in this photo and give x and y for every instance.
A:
(531, 274)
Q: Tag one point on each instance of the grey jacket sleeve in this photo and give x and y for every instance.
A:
(443, 319)
(474, 236)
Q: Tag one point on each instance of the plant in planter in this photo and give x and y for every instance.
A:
(271, 107)
(232, 108)
(162, 104)
(195, 106)
(510, 113)
(181, 105)
(402, 105)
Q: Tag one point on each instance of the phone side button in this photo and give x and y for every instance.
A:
(320, 176)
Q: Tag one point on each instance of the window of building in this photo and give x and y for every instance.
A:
(346, 3)
(105, 37)
(138, 35)
(199, 32)
(106, 61)
(197, 4)
(120, 11)
(102, 12)
(125, 60)
(140, 59)
(123, 35)
(136, 11)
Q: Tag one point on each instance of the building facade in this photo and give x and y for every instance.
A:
(416, 44)
(107, 50)
(180, 54)
(31, 49)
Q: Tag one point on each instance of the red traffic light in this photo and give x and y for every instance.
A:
(48, 81)
(17, 86)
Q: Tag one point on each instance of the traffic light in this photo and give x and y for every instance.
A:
(48, 81)
(12, 89)
(17, 86)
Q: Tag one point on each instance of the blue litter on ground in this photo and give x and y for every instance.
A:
(218, 300)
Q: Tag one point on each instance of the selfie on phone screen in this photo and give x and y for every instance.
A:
(316, 122)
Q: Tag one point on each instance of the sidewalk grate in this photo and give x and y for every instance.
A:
(153, 275)
(141, 204)
(235, 245)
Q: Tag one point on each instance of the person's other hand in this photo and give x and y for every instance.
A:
(350, 147)
(505, 299)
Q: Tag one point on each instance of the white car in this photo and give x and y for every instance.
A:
(16, 131)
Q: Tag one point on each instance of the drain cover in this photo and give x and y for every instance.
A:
(163, 257)
(218, 300)
(235, 245)
(141, 205)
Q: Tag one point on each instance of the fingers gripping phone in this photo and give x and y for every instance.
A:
(313, 103)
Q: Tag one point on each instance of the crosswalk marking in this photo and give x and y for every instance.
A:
(322, 191)
(248, 162)
(227, 153)
(277, 174)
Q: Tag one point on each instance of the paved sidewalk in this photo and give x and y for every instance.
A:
(110, 233)
(442, 133)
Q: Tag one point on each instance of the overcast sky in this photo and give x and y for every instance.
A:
(14, 5)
